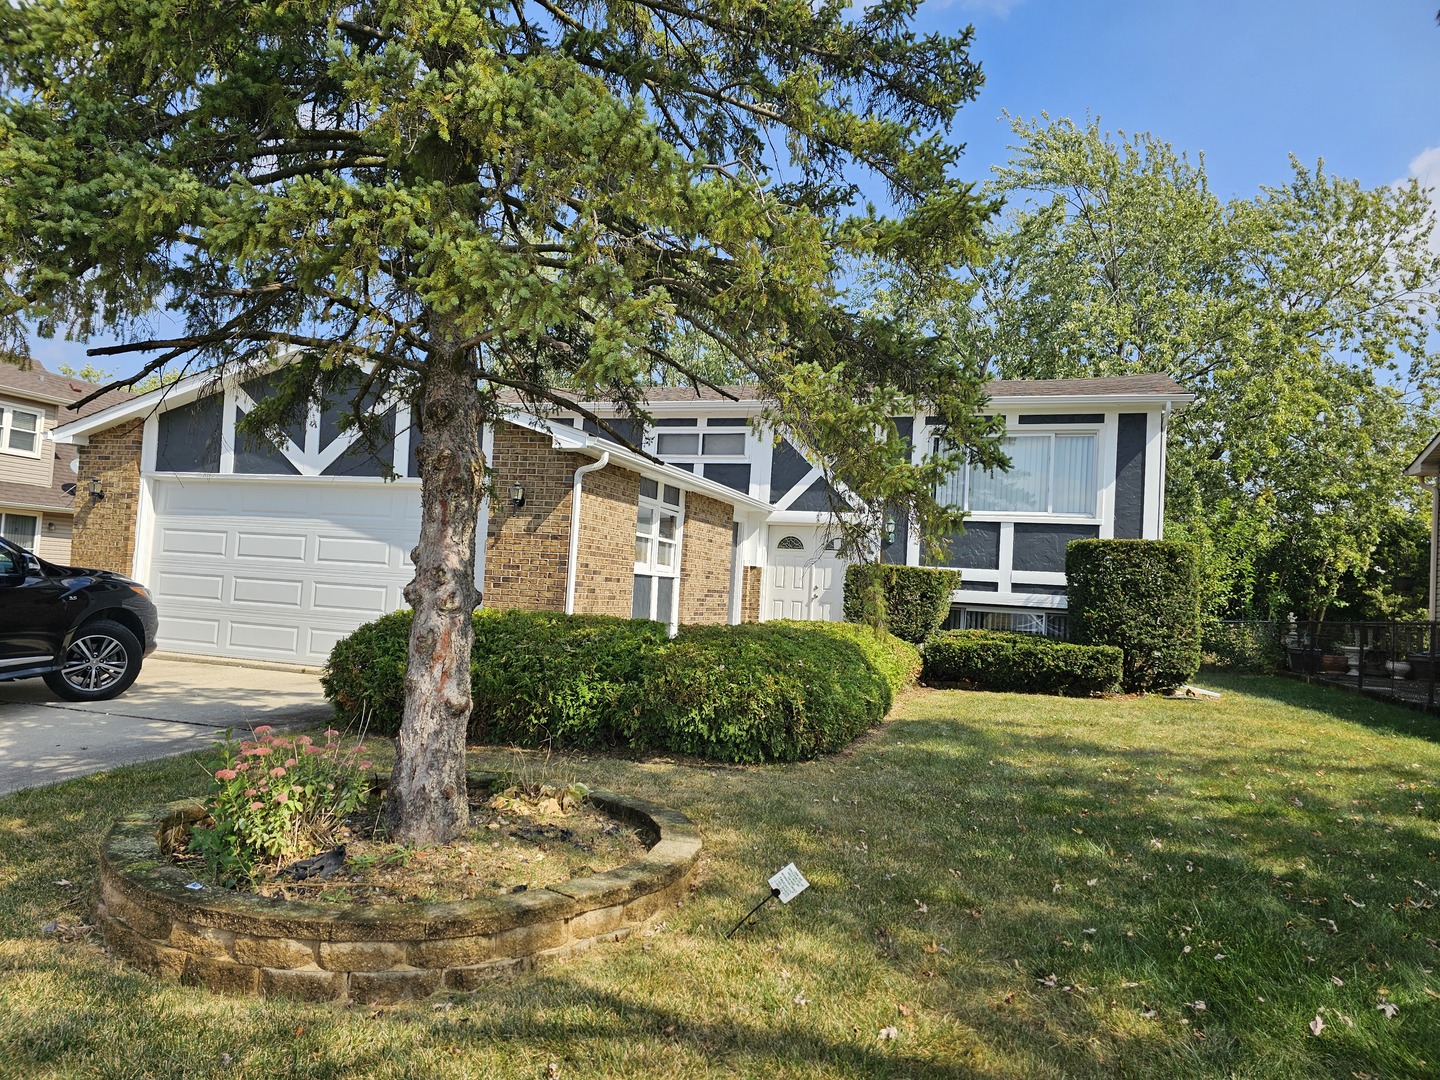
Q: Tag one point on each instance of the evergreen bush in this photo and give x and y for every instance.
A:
(1142, 596)
(910, 602)
(1023, 663)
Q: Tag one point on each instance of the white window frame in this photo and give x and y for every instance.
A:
(651, 567)
(701, 430)
(7, 427)
(5, 528)
(1092, 431)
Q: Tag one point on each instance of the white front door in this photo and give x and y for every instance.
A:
(806, 578)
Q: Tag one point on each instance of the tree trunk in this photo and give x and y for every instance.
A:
(428, 800)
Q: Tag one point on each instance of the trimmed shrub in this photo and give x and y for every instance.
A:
(1140, 595)
(537, 678)
(911, 601)
(1026, 663)
(758, 692)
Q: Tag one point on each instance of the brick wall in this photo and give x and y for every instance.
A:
(750, 593)
(526, 550)
(705, 559)
(104, 536)
(605, 582)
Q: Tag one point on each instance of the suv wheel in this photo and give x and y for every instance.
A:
(101, 663)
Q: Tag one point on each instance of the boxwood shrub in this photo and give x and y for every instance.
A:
(1142, 596)
(1027, 663)
(911, 601)
(774, 691)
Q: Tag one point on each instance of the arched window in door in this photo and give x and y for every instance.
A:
(790, 543)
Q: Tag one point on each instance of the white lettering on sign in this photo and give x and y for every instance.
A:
(789, 883)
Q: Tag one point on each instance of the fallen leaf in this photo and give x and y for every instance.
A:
(1092, 882)
(1337, 980)
(932, 948)
(1198, 1006)
(801, 999)
(552, 1071)
(1050, 982)
(904, 1010)
(920, 909)
(1316, 1026)
(1128, 985)
(62, 883)
(1220, 956)
(1389, 1008)
(887, 1033)
(1148, 1014)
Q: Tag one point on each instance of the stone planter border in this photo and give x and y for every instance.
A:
(369, 953)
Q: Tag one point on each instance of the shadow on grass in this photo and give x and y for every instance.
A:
(1333, 701)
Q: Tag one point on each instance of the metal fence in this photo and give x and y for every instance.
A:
(1388, 659)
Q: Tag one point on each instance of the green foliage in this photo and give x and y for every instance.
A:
(1246, 648)
(276, 797)
(1300, 319)
(1024, 663)
(1143, 597)
(760, 692)
(1395, 586)
(910, 602)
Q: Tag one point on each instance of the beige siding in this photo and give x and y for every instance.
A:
(19, 468)
(54, 539)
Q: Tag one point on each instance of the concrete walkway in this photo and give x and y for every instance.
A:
(177, 704)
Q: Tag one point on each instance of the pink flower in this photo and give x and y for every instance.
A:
(304, 740)
(314, 749)
(360, 749)
(261, 751)
(292, 763)
(264, 729)
(365, 765)
(251, 792)
(225, 774)
(282, 796)
(242, 766)
(277, 771)
(257, 805)
(330, 733)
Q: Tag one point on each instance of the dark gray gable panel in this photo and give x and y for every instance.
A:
(361, 459)
(1063, 418)
(787, 468)
(1130, 476)
(189, 437)
(262, 387)
(905, 426)
(677, 421)
(977, 548)
(732, 475)
(1041, 548)
(255, 454)
(1038, 590)
(979, 586)
(820, 497)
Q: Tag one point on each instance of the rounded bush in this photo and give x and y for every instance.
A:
(910, 602)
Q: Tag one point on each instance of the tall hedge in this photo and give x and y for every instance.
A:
(774, 691)
(910, 602)
(1142, 596)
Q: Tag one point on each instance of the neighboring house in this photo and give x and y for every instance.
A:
(1427, 466)
(260, 550)
(37, 476)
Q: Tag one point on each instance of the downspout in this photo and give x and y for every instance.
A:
(575, 527)
(1164, 467)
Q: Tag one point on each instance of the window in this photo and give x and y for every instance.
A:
(705, 444)
(1049, 474)
(657, 552)
(20, 431)
(20, 529)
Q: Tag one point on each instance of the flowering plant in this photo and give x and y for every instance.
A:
(277, 797)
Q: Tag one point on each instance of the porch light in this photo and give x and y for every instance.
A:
(97, 489)
(517, 495)
(889, 530)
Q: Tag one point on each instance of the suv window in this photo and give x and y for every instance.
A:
(9, 564)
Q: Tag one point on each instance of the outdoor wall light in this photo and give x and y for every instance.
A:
(517, 495)
(890, 530)
(97, 489)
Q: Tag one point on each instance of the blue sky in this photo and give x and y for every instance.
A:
(1246, 83)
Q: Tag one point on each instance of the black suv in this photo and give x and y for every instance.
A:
(84, 632)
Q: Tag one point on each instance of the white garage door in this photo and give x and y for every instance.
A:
(277, 570)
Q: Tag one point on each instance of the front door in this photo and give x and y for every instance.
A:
(807, 578)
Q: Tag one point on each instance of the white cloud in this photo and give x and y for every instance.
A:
(1000, 8)
(1426, 168)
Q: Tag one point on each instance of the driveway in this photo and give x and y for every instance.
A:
(175, 705)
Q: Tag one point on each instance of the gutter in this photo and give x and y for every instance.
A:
(594, 466)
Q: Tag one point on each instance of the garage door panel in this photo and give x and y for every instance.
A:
(267, 545)
(241, 570)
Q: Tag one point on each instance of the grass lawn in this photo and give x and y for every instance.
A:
(1003, 886)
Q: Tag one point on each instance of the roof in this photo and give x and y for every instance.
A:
(1428, 462)
(38, 384)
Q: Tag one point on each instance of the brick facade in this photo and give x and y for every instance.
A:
(605, 557)
(527, 550)
(105, 528)
(750, 580)
(705, 559)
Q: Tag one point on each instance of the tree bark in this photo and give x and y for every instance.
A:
(428, 800)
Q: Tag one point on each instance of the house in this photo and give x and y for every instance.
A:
(37, 476)
(254, 548)
(1427, 467)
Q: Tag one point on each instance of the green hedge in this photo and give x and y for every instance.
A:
(1027, 663)
(1142, 596)
(911, 601)
(763, 692)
